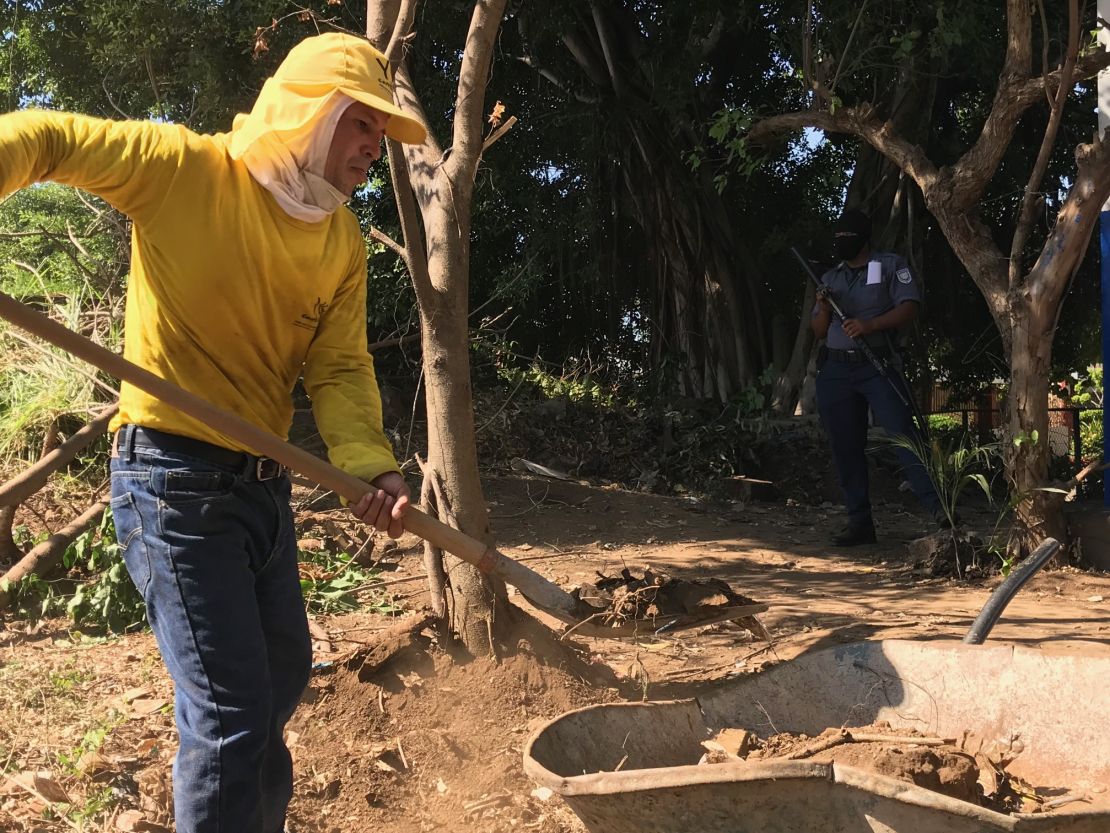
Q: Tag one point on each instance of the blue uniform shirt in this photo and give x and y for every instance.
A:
(867, 292)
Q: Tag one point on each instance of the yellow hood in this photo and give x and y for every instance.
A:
(312, 71)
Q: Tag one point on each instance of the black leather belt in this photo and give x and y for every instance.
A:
(856, 355)
(134, 437)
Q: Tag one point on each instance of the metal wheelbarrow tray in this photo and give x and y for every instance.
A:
(1055, 703)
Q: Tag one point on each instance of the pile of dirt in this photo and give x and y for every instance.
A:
(937, 764)
(422, 741)
(627, 597)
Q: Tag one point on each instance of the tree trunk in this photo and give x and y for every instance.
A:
(788, 386)
(1040, 513)
(476, 603)
(440, 187)
(9, 552)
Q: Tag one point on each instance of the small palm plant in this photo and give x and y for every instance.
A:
(953, 465)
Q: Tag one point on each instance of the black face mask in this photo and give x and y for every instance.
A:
(847, 246)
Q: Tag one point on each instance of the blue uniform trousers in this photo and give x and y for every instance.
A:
(845, 391)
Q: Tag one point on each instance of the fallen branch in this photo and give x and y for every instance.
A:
(819, 745)
(908, 740)
(387, 644)
(56, 807)
(845, 736)
(47, 555)
(31, 479)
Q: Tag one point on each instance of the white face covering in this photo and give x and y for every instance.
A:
(291, 165)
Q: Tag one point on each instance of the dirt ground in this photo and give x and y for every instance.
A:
(421, 742)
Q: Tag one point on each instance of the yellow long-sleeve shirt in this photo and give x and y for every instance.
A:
(228, 296)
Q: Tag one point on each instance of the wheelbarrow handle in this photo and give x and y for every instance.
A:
(539, 590)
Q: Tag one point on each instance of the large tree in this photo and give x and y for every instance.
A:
(434, 187)
(1023, 288)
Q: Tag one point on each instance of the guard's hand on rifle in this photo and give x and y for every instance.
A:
(857, 327)
(823, 298)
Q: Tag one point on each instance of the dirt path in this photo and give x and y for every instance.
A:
(778, 554)
(422, 743)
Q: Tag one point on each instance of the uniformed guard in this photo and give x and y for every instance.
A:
(879, 296)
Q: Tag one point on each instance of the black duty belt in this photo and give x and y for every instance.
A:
(136, 437)
(857, 355)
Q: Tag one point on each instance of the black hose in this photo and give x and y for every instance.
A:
(1002, 594)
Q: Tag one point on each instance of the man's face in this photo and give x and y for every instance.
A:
(356, 145)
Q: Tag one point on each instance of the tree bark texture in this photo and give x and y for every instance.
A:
(788, 386)
(434, 191)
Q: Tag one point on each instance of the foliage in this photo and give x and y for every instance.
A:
(755, 398)
(954, 467)
(55, 240)
(1086, 395)
(331, 583)
(945, 424)
(66, 256)
(108, 599)
(104, 598)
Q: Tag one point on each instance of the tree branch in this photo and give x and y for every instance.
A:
(971, 174)
(389, 29)
(705, 46)
(402, 32)
(1049, 277)
(416, 256)
(473, 79)
(498, 133)
(586, 58)
(861, 122)
(551, 77)
(388, 241)
(607, 50)
(392, 342)
(1030, 200)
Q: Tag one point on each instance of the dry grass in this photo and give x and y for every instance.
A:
(85, 730)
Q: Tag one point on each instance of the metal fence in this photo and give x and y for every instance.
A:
(1064, 428)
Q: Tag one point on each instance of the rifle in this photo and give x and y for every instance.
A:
(884, 368)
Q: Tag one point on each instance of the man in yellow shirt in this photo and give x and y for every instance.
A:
(246, 273)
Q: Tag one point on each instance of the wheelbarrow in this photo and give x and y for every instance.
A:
(581, 617)
(632, 768)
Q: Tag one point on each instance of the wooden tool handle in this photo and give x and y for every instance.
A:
(251, 436)
(535, 587)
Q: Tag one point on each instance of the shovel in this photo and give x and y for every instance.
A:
(542, 593)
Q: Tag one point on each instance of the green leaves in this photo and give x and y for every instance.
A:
(108, 599)
(332, 582)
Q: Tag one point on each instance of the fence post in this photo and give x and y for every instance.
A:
(1077, 434)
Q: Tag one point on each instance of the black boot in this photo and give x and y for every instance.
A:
(853, 535)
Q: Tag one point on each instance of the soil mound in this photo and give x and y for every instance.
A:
(428, 742)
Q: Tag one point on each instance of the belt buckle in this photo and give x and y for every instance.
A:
(267, 468)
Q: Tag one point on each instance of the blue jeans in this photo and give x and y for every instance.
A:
(845, 391)
(213, 552)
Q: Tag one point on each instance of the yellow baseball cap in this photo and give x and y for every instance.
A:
(311, 73)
